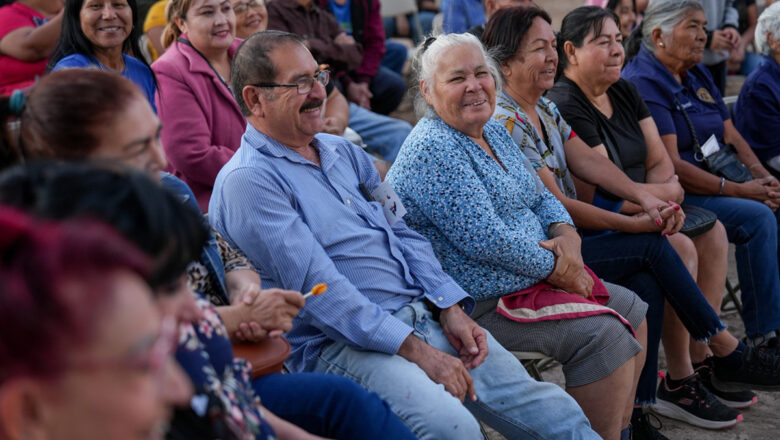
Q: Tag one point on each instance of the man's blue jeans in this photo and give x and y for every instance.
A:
(382, 134)
(388, 89)
(395, 56)
(649, 265)
(509, 400)
(752, 227)
(329, 406)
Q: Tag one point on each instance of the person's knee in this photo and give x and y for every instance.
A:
(447, 422)
(761, 224)
(716, 240)
(388, 84)
(687, 252)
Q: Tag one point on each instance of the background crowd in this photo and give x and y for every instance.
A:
(177, 173)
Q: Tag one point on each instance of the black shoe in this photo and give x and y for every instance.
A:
(692, 403)
(770, 345)
(643, 428)
(760, 370)
(733, 399)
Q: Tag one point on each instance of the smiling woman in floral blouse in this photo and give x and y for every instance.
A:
(507, 241)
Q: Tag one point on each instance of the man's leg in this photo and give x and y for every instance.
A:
(389, 25)
(509, 400)
(430, 411)
(388, 89)
(395, 56)
(382, 134)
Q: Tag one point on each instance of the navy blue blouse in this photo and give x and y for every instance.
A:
(757, 113)
(697, 95)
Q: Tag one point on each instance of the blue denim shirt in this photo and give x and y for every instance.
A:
(485, 221)
(300, 225)
(757, 112)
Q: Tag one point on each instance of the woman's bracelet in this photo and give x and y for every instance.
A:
(757, 164)
(554, 228)
(722, 185)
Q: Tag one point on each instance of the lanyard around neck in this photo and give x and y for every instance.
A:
(222, 80)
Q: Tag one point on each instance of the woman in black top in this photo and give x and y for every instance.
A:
(609, 115)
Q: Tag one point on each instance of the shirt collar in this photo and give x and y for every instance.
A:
(540, 105)
(650, 63)
(772, 65)
(510, 101)
(271, 147)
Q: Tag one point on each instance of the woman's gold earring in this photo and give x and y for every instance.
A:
(661, 44)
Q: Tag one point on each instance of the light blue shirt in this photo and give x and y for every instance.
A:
(300, 225)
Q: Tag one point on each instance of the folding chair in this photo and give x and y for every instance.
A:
(534, 362)
(731, 301)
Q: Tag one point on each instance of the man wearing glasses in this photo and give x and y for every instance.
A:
(306, 209)
(372, 92)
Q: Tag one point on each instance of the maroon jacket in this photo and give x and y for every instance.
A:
(368, 30)
(318, 27)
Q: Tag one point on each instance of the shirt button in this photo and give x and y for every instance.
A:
(349, 202)
(441, 298)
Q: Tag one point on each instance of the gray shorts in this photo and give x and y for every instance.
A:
(589, 348)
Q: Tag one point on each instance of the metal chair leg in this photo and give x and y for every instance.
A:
(733, 299)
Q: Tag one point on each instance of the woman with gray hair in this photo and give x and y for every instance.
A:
(508, 242)
(691, 118)
(757, 112)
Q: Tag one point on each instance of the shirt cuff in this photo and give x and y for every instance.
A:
(449, 294)
(389, 336)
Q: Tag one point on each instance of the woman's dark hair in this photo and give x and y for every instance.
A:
(54, 279)
(506, 28)
(63, 112)
(612, 5)
(661, 14)
(634, 42)
(577, 25)
(9, 151)
(153, 219)
(73, 40)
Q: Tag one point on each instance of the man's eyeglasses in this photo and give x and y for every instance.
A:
(241, 7)
(304, 84)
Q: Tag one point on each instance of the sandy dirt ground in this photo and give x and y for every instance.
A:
(761, 421)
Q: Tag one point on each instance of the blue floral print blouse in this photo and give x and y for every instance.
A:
(485, 221)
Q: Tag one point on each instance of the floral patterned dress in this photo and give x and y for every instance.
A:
(223, 389)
